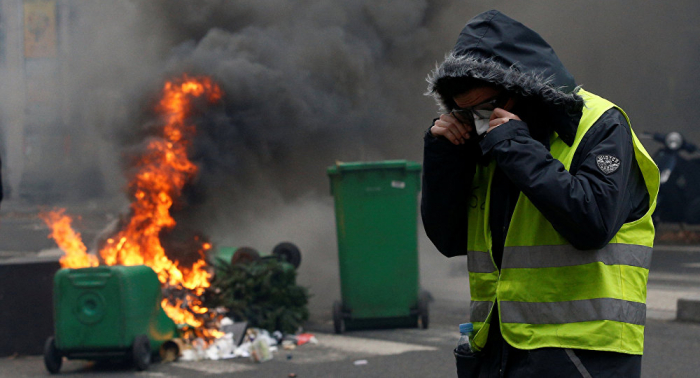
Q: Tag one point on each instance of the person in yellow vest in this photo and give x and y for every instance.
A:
(547, 190)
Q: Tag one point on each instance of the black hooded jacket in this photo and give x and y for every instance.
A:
(584, 204)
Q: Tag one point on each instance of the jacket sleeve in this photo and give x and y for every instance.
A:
(585, 205)
(448, 171)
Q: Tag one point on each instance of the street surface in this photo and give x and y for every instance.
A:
(671, 347)
(671, 351)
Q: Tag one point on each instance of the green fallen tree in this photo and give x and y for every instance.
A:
(263, 292)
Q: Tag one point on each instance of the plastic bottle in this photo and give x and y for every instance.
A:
(465, 331)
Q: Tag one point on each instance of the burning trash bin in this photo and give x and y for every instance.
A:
(107, 312)
(376, 217)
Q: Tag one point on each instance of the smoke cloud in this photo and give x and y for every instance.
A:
(306, 84)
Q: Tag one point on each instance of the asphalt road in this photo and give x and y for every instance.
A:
(670, 351)
(676, 259)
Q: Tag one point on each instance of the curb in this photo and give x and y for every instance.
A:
(26, 299)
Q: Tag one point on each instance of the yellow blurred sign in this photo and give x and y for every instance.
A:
(40, 28)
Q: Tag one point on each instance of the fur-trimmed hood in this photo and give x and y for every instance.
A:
(497, 49)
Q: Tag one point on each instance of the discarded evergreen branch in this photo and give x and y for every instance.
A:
(264, 293)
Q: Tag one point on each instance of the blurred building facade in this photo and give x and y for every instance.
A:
(43, 150)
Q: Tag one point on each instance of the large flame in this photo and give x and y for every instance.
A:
(161, 173)
(68, 240)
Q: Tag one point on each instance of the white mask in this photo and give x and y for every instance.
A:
(481, 121)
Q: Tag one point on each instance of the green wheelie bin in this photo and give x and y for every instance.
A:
(107, 312)
(376, 210)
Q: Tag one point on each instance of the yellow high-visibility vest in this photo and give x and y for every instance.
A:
(549, 293)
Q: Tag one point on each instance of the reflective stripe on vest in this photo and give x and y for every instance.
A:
(585, 310)
(480, 262)
(552, 256)
(549, 293)
(479, 310)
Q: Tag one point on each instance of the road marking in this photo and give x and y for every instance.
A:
(359, 345)
(339, 348)
(663, 302)
(676, 248)
(151, 374)
(676, 277)
(661, 314)
(213, 367)
(692, 265)
(433, 336)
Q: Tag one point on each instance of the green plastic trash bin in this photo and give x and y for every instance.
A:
(376, 210)
(107, 312)
(284, 252)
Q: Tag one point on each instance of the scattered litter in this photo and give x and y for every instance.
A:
(257, 344)
(239, 331)
(306, 338)
(189, 355)
(260, 350)
(279, 336)
(360, 362)
(222, 348)
(213, 353)
(196, 351)
(265, 336)
(172, 349)
(243, 350)
(226, 325)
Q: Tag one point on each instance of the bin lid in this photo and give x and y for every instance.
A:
(341, 167)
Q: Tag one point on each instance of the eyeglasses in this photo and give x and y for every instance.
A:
(480, 111)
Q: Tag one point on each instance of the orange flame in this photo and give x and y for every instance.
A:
(161, 173)
(68, 240)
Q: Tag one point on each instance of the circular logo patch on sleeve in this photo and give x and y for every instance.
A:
(607, 163)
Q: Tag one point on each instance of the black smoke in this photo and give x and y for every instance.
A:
(306, 84)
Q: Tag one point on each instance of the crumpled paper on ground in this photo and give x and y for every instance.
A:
(258, 345)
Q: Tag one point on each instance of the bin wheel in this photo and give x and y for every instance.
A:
(423, 313)
(141, 352)
(52, 357)
(288, 252)
(245, 255)
(338, 322)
